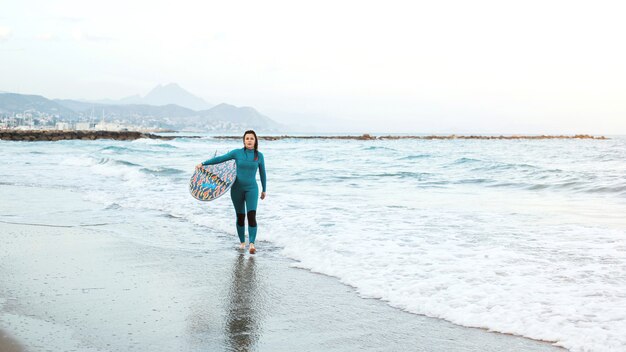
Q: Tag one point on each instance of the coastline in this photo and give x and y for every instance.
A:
(111, 287)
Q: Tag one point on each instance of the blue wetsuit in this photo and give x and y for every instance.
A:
(245, 191)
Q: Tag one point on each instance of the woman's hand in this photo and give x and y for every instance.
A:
(262, 195)
(199, 166)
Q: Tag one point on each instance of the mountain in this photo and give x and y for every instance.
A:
(19, 103)
(221, 118)
(126, 111)
(133, 99)
(230, 117)
(174, 94)
(76, 105)
(245, 114)
(163, 95)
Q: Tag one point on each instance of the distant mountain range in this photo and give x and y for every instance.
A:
(156, 108)
(18, 103)
(162, 95)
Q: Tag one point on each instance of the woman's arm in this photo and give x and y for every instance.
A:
(262, 171)
(220, 159)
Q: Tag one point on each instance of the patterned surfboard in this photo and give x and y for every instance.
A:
(212, 181)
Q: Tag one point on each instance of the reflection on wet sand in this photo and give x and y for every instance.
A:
(243, 324)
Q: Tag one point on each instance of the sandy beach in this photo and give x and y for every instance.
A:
(8, 344)
(74, 280)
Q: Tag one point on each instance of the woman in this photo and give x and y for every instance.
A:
(245, 190)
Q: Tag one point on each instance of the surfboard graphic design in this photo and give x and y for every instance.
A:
(212, 181)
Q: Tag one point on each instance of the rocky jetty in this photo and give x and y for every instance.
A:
(370, 137)
(54, 135)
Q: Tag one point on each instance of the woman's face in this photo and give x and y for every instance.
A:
(248, 140)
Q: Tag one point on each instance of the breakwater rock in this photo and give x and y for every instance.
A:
(370, 137)
(53, 135)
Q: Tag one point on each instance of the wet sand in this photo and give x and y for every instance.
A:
(110, 288)
(8, 344)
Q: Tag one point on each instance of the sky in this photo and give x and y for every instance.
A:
(366, 66)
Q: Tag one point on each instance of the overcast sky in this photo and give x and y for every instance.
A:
(389, 66)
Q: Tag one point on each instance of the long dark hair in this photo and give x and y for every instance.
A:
(256, 143)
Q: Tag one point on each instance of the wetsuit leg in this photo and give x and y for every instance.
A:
(241, 227)
(252, 226)
(252, 198)
(238, 198)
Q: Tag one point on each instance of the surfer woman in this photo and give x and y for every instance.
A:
(245, 190)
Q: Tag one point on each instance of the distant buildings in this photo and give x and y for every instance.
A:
(110, 126)
(35, 120)
(84, 126)
(63, 126)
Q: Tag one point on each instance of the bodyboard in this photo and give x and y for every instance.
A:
(210, 182)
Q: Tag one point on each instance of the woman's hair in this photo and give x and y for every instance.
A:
(256, 143)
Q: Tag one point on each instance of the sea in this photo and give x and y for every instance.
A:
(524, 237)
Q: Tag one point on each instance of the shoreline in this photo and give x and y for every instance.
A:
(112, 287)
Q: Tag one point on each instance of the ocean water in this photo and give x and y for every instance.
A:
(526, 237)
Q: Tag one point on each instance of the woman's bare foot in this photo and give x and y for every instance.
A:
(242, 245)
(252, 249)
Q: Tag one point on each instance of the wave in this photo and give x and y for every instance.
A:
(162, 171)
(573, 186)
(499, 166)
(434, 184)
(126, 170)
(172, 216)
(417, 156)
(536, 187)
(102, 161)
(458, 267)
(154, 143)
(399, 174)
(474, 181)
(124, 162)
(616, 189)
(114, 149)
(375, 147)
(404, 174)
(465, 161)
(113, 206)
(166, 146)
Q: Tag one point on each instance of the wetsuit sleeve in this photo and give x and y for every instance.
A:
(262, 172)
(220, 159)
